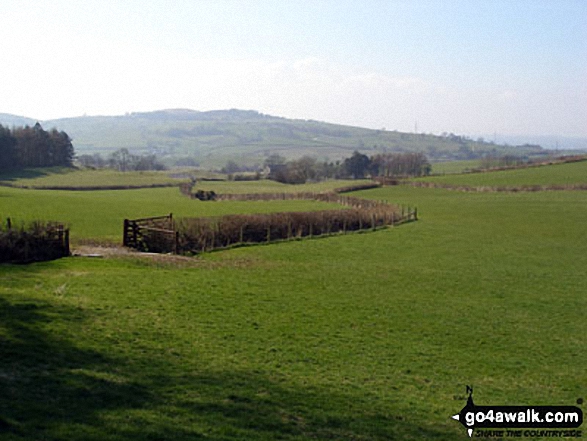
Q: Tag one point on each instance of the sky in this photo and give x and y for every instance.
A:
(468, 67)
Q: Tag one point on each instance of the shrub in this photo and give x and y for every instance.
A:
(36, 241)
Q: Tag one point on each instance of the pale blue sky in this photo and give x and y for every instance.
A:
(469, 67)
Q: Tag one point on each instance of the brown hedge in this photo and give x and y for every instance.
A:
(204, 234)
(33, 242)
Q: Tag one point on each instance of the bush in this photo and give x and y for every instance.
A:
(37, 241)
(205, 234)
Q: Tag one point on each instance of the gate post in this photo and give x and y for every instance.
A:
(125, 234)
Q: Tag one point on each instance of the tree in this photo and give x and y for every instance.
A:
(36, 147)
(120, 160)
(357, 165)
(304, 169)
(400, 164)
(62, 151)
(274, 160)
(231, 167)
(8, 151)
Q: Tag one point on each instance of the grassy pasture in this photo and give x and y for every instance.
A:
(448, 167)
(98, 215)
(367, 336)
(71, 177)
(266, 186)
(557, 174)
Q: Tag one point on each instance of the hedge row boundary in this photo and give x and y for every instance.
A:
(34, 242)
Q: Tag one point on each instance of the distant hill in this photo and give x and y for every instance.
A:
(246, 136)
(548, 142)
(9, 121)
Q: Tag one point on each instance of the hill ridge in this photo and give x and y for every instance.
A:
(212, 137)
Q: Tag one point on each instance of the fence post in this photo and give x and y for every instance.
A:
(8, 223)
(415, 213)
(125, 234)
(67, 251)
(135, 233)
(176, 245)
(269, 233)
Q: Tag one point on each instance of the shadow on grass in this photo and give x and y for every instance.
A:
(32, 173)
(250, 405)
(51, 388)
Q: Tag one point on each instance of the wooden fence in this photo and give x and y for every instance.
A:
(206, 234)
(153, 234)
(163, 234)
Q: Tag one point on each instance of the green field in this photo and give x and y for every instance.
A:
(559, 174)
(71, 177)
(366, 336)
(449, 167)
(266, 186)
(98, 215)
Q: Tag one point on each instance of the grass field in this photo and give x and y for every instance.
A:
(99, 215)
(450, 167)
(368, 336)
(559, 174)
(71, 177)
(266, 186)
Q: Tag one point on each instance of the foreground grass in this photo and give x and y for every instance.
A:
(557, 174)
(367, 336)
(71, 177)
(99, 215)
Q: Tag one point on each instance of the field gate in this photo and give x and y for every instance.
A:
(152, 234)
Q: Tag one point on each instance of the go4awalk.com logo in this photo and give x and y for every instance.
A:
(520, 421)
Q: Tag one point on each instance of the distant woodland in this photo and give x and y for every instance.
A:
(357, 166)
(28, 146)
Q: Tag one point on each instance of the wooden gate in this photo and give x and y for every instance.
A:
(153, 234)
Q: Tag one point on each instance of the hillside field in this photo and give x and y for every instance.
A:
(248, 137)
(558, 174)
(71, 177)
(447, 167)
(368, 336)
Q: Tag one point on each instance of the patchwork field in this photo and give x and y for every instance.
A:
(367, 336)
(66, 177)
(559, 174)
(265, 186)
(97, 216)
(455, 166)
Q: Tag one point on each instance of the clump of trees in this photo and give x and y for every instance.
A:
(27, 146)
(491, 161)
(399, 165)
(357, 166)
(121, 160)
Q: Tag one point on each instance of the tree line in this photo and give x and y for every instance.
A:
(357, 166)
(27, 146)
(121, 160)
